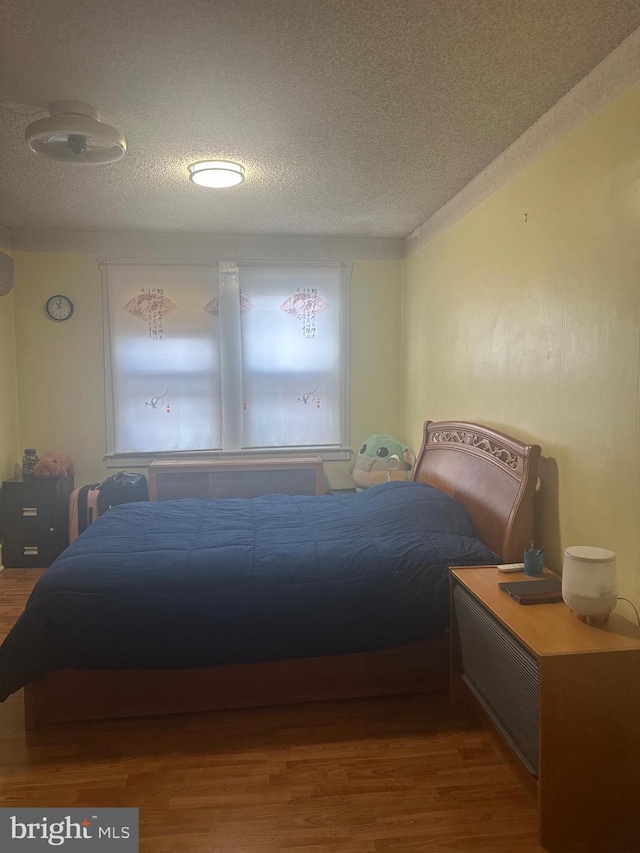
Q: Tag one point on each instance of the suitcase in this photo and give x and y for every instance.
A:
(122, 488)
(83, 509)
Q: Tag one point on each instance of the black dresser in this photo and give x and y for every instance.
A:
(35, 521)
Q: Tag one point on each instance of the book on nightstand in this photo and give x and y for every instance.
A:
(547, 591)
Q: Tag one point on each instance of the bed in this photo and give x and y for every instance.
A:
(199, 605)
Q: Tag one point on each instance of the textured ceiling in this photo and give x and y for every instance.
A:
(351, 117)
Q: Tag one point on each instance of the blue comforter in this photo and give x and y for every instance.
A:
(201, 583)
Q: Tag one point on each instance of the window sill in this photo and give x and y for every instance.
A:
(142, 460)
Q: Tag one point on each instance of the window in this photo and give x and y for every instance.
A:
(225, 356)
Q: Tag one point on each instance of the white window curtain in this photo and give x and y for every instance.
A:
(225, 357)
(163, 362)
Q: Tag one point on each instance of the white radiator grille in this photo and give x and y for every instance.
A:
(502, 675)
(211, 481)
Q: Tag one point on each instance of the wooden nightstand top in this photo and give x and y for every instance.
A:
(546, 629)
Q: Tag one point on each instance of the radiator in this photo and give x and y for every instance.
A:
(228, 478)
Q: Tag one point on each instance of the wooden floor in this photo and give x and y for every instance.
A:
(363, 776)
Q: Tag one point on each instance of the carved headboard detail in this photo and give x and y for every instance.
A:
(472, 438)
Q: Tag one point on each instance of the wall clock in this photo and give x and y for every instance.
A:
(59, 307)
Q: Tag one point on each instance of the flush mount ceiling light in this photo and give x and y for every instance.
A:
(216, 173)
(73, 133)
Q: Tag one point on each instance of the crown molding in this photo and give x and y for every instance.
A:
(610, 78)
(176, 246)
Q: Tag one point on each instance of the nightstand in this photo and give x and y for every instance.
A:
(35, 517)
(564, 696)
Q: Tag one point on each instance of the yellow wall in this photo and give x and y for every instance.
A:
(10, 452)
(61, 367)
(534, 327)
(375, 349)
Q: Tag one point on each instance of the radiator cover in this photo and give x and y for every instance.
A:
(502, 675)
(227, 478)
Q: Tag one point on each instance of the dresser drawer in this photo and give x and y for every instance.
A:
(35, 521)
(29, 552)
(23, 510)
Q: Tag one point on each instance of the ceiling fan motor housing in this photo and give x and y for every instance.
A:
(73, 133)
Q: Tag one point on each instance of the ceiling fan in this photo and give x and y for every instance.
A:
(74, 133)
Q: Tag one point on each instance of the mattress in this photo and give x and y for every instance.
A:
(189, 583)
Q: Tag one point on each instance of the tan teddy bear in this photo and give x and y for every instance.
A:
(54, 465)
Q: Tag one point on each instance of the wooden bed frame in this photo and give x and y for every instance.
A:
(491, 474)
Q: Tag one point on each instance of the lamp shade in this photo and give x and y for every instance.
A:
(589, 585)
(216, 173)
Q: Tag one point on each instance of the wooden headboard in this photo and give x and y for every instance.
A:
(491, 474)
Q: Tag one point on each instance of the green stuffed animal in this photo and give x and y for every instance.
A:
(374, 464)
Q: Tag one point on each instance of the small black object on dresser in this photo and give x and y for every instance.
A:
(35, 517)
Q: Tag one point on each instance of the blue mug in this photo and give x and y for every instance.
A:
(534, 563)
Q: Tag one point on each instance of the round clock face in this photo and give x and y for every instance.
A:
(59, 307)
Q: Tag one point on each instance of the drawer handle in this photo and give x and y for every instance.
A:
(29, 511)
(30, 550)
